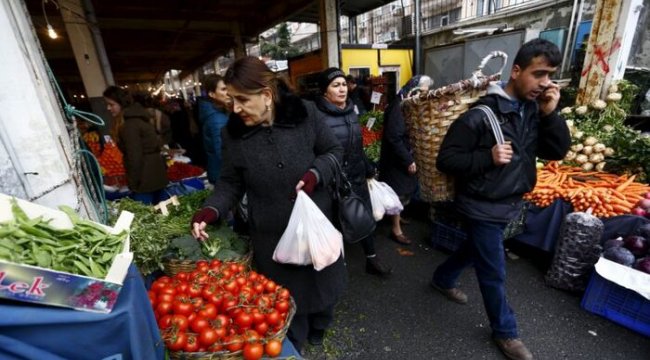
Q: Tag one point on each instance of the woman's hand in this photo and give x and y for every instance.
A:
(307, 183)
(200, 221)
(412, 169)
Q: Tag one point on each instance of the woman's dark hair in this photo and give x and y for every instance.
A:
(535, 48)
(118, 95)
(211, 82)
(250, 75)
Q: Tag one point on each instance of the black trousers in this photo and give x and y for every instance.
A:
(303, 323)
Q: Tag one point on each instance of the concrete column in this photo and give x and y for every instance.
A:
(240, 47)
(609, 45)
(86, 55)
(37, 157)
(329, 34)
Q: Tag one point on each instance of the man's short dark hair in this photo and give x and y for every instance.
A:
(535, 48)
(350, 79)
(211, 82)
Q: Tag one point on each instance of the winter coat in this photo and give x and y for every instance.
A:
(212, 119)
(138, 141)
(486, 191)
(396, 152)
(266, 163)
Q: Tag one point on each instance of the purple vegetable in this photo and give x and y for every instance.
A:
(638, 245)
(618, 242)
(643, 265)
(619, 255)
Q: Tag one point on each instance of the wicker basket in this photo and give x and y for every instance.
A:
(428, 117)
(226, 355)
(172, 266)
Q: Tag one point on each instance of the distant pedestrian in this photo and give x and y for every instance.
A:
(396, 164)
(356, 94)
(491, 178)
(213, 116)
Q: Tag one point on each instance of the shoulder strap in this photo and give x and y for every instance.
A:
(493, 122)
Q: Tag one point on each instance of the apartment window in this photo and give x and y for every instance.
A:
(444, 20)
(359, 73)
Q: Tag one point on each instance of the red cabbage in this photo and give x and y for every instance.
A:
(643, 265)
(638, 245)
(619, 255)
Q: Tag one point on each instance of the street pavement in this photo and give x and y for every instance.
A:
(401, 317)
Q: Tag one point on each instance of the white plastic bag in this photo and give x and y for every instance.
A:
(310, 238)
(386, 196)
(378, 209)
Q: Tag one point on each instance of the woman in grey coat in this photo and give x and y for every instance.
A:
(272, 148)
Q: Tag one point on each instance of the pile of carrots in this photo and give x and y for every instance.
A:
(606, 194)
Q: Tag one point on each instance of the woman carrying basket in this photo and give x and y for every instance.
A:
(272, 148)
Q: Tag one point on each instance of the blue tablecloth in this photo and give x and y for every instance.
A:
(49, 333)
(543, 225)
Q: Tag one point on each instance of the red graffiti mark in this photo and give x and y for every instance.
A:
(601, 55)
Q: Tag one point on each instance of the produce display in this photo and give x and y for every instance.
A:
(109, 158)
(632, 251)
(607, 194)
(85, 249)
(602, 141)
(179, 171)
(151, 232)
(222, 308)
(371, 132)
(223, 244)
(577, 251)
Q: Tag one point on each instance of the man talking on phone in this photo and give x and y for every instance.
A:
(491, 178)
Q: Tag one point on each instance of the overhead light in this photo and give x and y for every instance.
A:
(51, 32)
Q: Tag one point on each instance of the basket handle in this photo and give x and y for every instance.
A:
(475, 79)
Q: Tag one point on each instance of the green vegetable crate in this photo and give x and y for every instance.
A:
(42, 285)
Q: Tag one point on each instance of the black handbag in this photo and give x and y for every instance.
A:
(355, 221)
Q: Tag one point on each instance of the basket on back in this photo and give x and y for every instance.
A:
(428, 116)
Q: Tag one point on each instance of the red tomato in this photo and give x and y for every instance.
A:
(253, 351)
(264, 302)
(234, 268)
(164, 322)
(251, 336)
(253, 276)
(222, 321)
(182, 276)
(182, 287)
(165, 298)
(191, 317)
(235, 343)
(183, 308)
(164, 308)
(192, 344)
(231, 287)
(208, 337)
(273, 318)
(283, 294)
(241, 280)
(194, 290)
(197, 302)
(208, 311)
(221, 332)
(199, 324)
(164, 279)
(229, 304)
(201, 263)
(270, 286)
(273, 348)
(244, 320)
(258, 288)
(226, 274)
(152, 300)
(157, 286)
(180, 322)
(258, 317)
(282, 306)
(262, 328)
(215, 264)
(177, 341)
(168, 289)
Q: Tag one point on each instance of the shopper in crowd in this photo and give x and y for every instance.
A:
(491, 178)
(396, 164)
(158, 119)
(213, 116)
(137, 140)
(337, 111)
(274, 147)
(355, 93)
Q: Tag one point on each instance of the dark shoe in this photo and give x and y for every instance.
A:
(375, 267)
(454, 294)
(315, 337)
(514, 349)
(401, 238)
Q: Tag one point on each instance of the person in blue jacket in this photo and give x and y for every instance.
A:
(213, 116)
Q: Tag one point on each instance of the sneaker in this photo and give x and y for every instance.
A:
(315, 337)
(374, 266)
(454, 294)
(513, 349)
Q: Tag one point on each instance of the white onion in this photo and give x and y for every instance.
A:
(614, 97)
(599, 104)
(582, 158)
(581, 110)
(570, 155)
(600, 166)
(577, 147)
(590, 141)
(596, 158)
(587, 166)
(598, 148)
(567, 110)
(608, 151)
(587, 150)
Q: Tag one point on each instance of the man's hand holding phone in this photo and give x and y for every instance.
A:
(549, 99)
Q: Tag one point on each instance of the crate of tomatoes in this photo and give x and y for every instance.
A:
(221, 310)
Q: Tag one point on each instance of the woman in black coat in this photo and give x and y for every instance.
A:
(272, 147)
(337, 111)
(396, 164)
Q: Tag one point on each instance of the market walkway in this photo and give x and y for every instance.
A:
(402, 318)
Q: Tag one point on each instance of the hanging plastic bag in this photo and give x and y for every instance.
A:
(378, 209)
(386, 197)
(310, 238)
